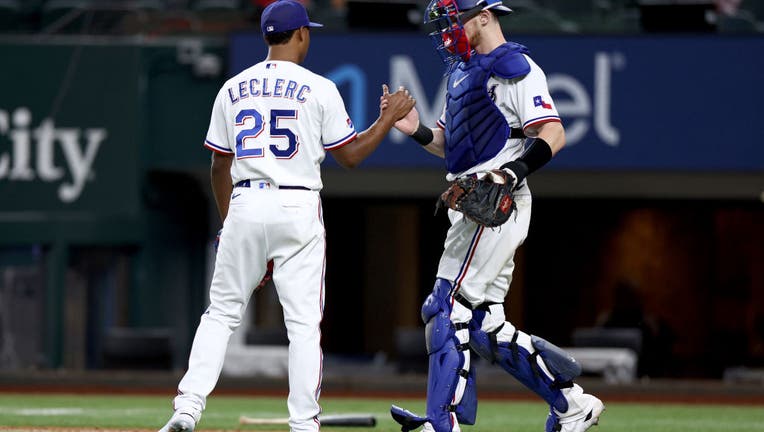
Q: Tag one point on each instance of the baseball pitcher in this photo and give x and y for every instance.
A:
(270, 128)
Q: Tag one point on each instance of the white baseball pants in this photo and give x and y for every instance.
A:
(478, 260)
(285, 226)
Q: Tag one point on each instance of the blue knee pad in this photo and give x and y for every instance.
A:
(446, 362)
(523, 365)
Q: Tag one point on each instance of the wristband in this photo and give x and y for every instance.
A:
(423, 135)
(536, 155)
(519, 169)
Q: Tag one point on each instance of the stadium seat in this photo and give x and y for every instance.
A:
(221, 16)
(616, 22)
(598, 16)
(399, 15)
(334, 19)
(63, 15)
(94, 17)
(145, 5)
(530, 17)
(31, 7)
(216, 5)
(140, 16)
(10, 13)
(756, 7)
(742, 22)
(666, 16)
(571, 8)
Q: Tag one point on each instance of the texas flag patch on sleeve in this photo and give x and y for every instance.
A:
(539, 102)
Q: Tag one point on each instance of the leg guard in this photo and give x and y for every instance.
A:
(541, 366)
(449, 377)
(466, 411)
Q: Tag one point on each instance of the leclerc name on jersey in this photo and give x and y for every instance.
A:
(264, 87)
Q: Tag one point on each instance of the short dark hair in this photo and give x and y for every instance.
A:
(279, 38)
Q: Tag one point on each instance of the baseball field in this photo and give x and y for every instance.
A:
(88, 412)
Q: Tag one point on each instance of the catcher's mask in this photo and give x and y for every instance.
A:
(446, 17)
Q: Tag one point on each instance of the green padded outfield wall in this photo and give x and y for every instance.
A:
(70, 135)
(80, 125)
(100, 147)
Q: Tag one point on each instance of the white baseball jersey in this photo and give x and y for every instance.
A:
(278, 118)
(525, 103)
(479, 260)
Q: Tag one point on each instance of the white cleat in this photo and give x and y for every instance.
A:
(179, 422)
(593, 410)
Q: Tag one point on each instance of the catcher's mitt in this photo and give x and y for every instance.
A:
(487, 201)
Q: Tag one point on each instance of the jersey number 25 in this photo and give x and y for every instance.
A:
(257, 128)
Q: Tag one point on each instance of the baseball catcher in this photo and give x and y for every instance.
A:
(499, 125)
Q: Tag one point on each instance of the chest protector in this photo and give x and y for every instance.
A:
(475, 128)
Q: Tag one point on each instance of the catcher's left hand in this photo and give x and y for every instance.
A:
(487, 201)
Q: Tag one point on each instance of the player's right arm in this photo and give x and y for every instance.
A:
(352, 154)
(222, 155)
(222, 184)
(431, 139)
(540, 121)
(438, 144)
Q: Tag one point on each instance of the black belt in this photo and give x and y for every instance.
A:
(248, 183)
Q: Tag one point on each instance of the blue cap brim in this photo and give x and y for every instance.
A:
(499, 9)
(312, 24)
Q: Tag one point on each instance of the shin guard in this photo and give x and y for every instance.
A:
(466, 411)
(541, 366)
(449, 377)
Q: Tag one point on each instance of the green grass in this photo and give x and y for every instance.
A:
(150, 412)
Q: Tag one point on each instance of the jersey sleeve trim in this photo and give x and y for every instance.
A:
(341, 142)
(216, 148)
(540, 120)
(440, 124)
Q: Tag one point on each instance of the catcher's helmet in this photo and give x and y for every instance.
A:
(497, 6)
(447, 16)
